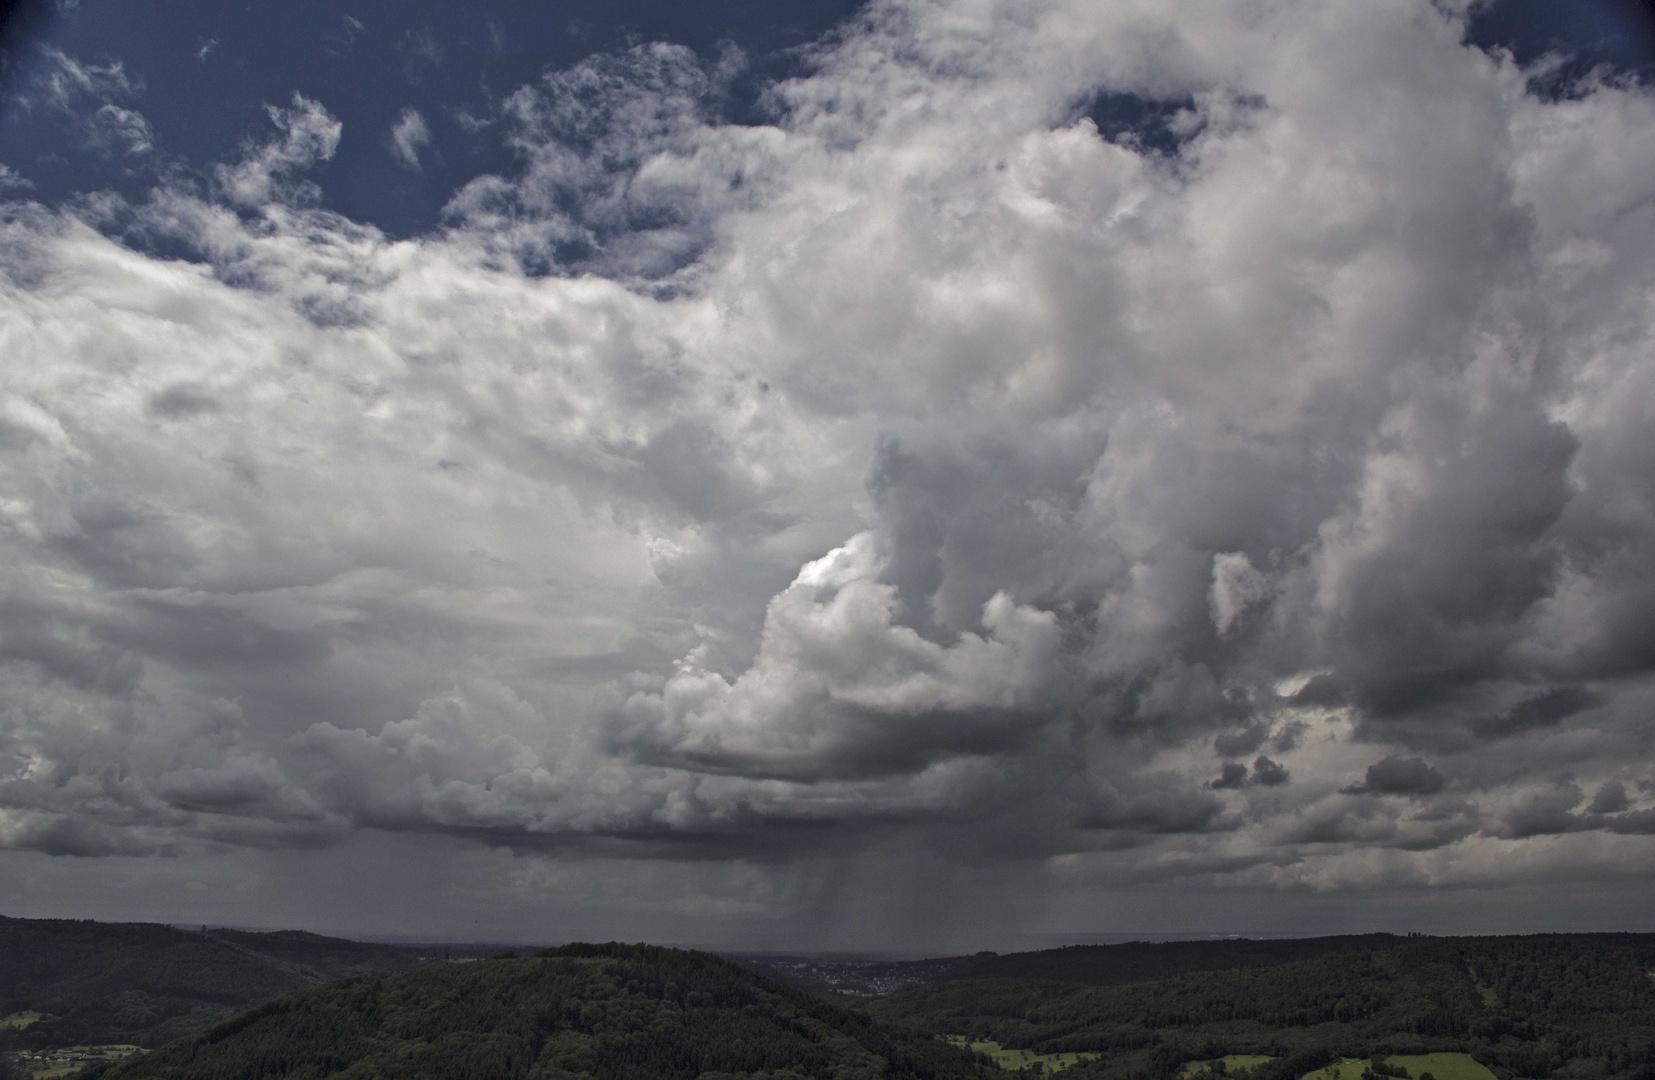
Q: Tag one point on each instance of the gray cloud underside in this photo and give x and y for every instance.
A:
(1278, 510)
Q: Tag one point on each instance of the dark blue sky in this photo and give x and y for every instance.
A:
(203, 71)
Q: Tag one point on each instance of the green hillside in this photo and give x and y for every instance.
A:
(599, 1012)
(145, 983)
(1559, 1005)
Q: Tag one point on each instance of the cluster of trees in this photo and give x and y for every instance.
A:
(11, 1060)
(596, 1012)
(1533, 1007)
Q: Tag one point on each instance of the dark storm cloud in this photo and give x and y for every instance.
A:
(1543, 813)
(1398, 775)
(1265, 772)
(68, 836)
(1540, 711)
(1269, 773)
(922, 466)
(1639, 823)
(1158, 805)
(1436, 612)
(1241, 741)
(1610, 799)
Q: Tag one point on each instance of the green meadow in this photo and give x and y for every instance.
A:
(1232, 1063)
(19, 1020)
(1440, 1066)
(1018, 1060)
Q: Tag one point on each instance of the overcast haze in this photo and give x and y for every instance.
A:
(942, 475)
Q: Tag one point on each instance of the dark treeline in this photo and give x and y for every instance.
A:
(599, 1012)
(146, 983)
(1549, 1006)
(12, 1066)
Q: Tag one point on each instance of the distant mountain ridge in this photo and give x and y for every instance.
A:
(1104, 965)
(1086, 965)
(146, 983)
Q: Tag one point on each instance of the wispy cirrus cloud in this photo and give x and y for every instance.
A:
(409, 136)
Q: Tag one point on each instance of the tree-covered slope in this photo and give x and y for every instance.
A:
(1119, 965)
(1559, 1005)
(1087, 965)
(1140, 961)
(146, 983)
(599, 1012)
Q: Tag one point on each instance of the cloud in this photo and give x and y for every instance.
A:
(309, 135)
(1398, 775)
(1610, 799)
(623, 174)
(65, 80)
(11, 183)
(1540, 711)
(419, 47)
(1543, 813)
(94, 97)
(126, 130)
(922, 462)
(838, 687)
(1268, 773)
(1236, 586)
(409, 135)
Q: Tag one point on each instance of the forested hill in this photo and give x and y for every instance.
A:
(1113, 965)
(1140, 961)
(1088, 965)
(1566, 1006)
(592, 1012)
(146, 983)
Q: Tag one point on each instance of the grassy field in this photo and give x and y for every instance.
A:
(1441, 1066)
(58, 1063)
(1232, 1062)
(1017, 1060)
(19, 1020)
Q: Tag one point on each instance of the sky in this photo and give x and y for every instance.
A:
(920, 476)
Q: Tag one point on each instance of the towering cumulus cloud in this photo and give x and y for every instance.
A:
(1259, 496)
